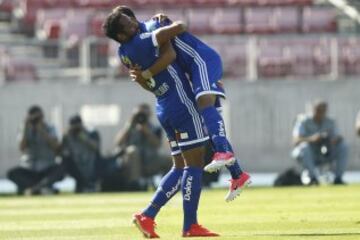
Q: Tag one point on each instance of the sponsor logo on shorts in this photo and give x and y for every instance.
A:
(184, 135)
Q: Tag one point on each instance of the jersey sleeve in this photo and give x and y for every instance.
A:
(147, 40)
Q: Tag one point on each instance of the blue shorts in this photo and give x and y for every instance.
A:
(184, 129)
(206, 76)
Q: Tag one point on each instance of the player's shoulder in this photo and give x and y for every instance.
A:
(151, 25)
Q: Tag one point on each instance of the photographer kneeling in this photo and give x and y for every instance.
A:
(140, 142)
(81, 154)
(317, 141)
(39, 146)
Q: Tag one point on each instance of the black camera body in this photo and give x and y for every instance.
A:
(141, 118)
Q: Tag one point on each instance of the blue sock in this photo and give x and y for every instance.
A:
(235, 169)
(168, 187)
(191, 189)
(216, 128)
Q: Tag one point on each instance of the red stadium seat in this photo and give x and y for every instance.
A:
(260, 20)
(233, 54)
(319, 19)
(210, 2)
(235, 60)
(144, 14)
(101, 3)
(349, 56)
(53, 29)
(77, 23)
(18, 70)
(157, 3)
(6, 6)
(273, 61)
(47, 16)
(271, 20)
(95, 25)
(287, 19)
(200, 20)
(269, 2)
(227, 20)
(312, 56)
(174, 14)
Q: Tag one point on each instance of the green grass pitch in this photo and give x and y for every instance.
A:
(259, 213)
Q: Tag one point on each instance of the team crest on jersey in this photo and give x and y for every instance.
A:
(125, 60)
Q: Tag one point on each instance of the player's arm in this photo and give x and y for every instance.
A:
(167, 56)
(164, 34)
(135, 75)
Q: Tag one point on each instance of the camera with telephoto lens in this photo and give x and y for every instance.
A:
(35, 118)
(325, 144)
(141, 118)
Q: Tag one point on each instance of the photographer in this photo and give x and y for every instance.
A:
(140, 142)
(317, 141)
(81, 153)
(39, 146)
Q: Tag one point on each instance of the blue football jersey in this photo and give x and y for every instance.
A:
(169, 86)
(176, 108)
(201, 62)
(188, 47)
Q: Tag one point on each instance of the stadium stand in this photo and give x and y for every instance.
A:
(293, 37)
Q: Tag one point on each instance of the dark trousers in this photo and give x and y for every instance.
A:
(73, 170)
(26, 178)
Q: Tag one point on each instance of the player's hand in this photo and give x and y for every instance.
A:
(136, 76)
(182, 25)
(161, 17)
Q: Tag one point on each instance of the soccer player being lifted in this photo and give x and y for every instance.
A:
(176, 111)
(204, 66)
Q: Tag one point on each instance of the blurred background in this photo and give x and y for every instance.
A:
(278, 56)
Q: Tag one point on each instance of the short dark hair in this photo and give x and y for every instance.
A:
(34, 109)
(126, 10)
(111, 26)
(76, 119)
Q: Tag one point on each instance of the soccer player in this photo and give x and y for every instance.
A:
(204, 66)
(176, 111)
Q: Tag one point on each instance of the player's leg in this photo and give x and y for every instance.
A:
(216, 128)
(208, 91)
(191, 191)
(191, 139)
(168, 187)
(239, 178)
(205, 75)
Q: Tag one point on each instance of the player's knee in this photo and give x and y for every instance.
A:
(206, 100)
(194, 157)
(178, 161)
